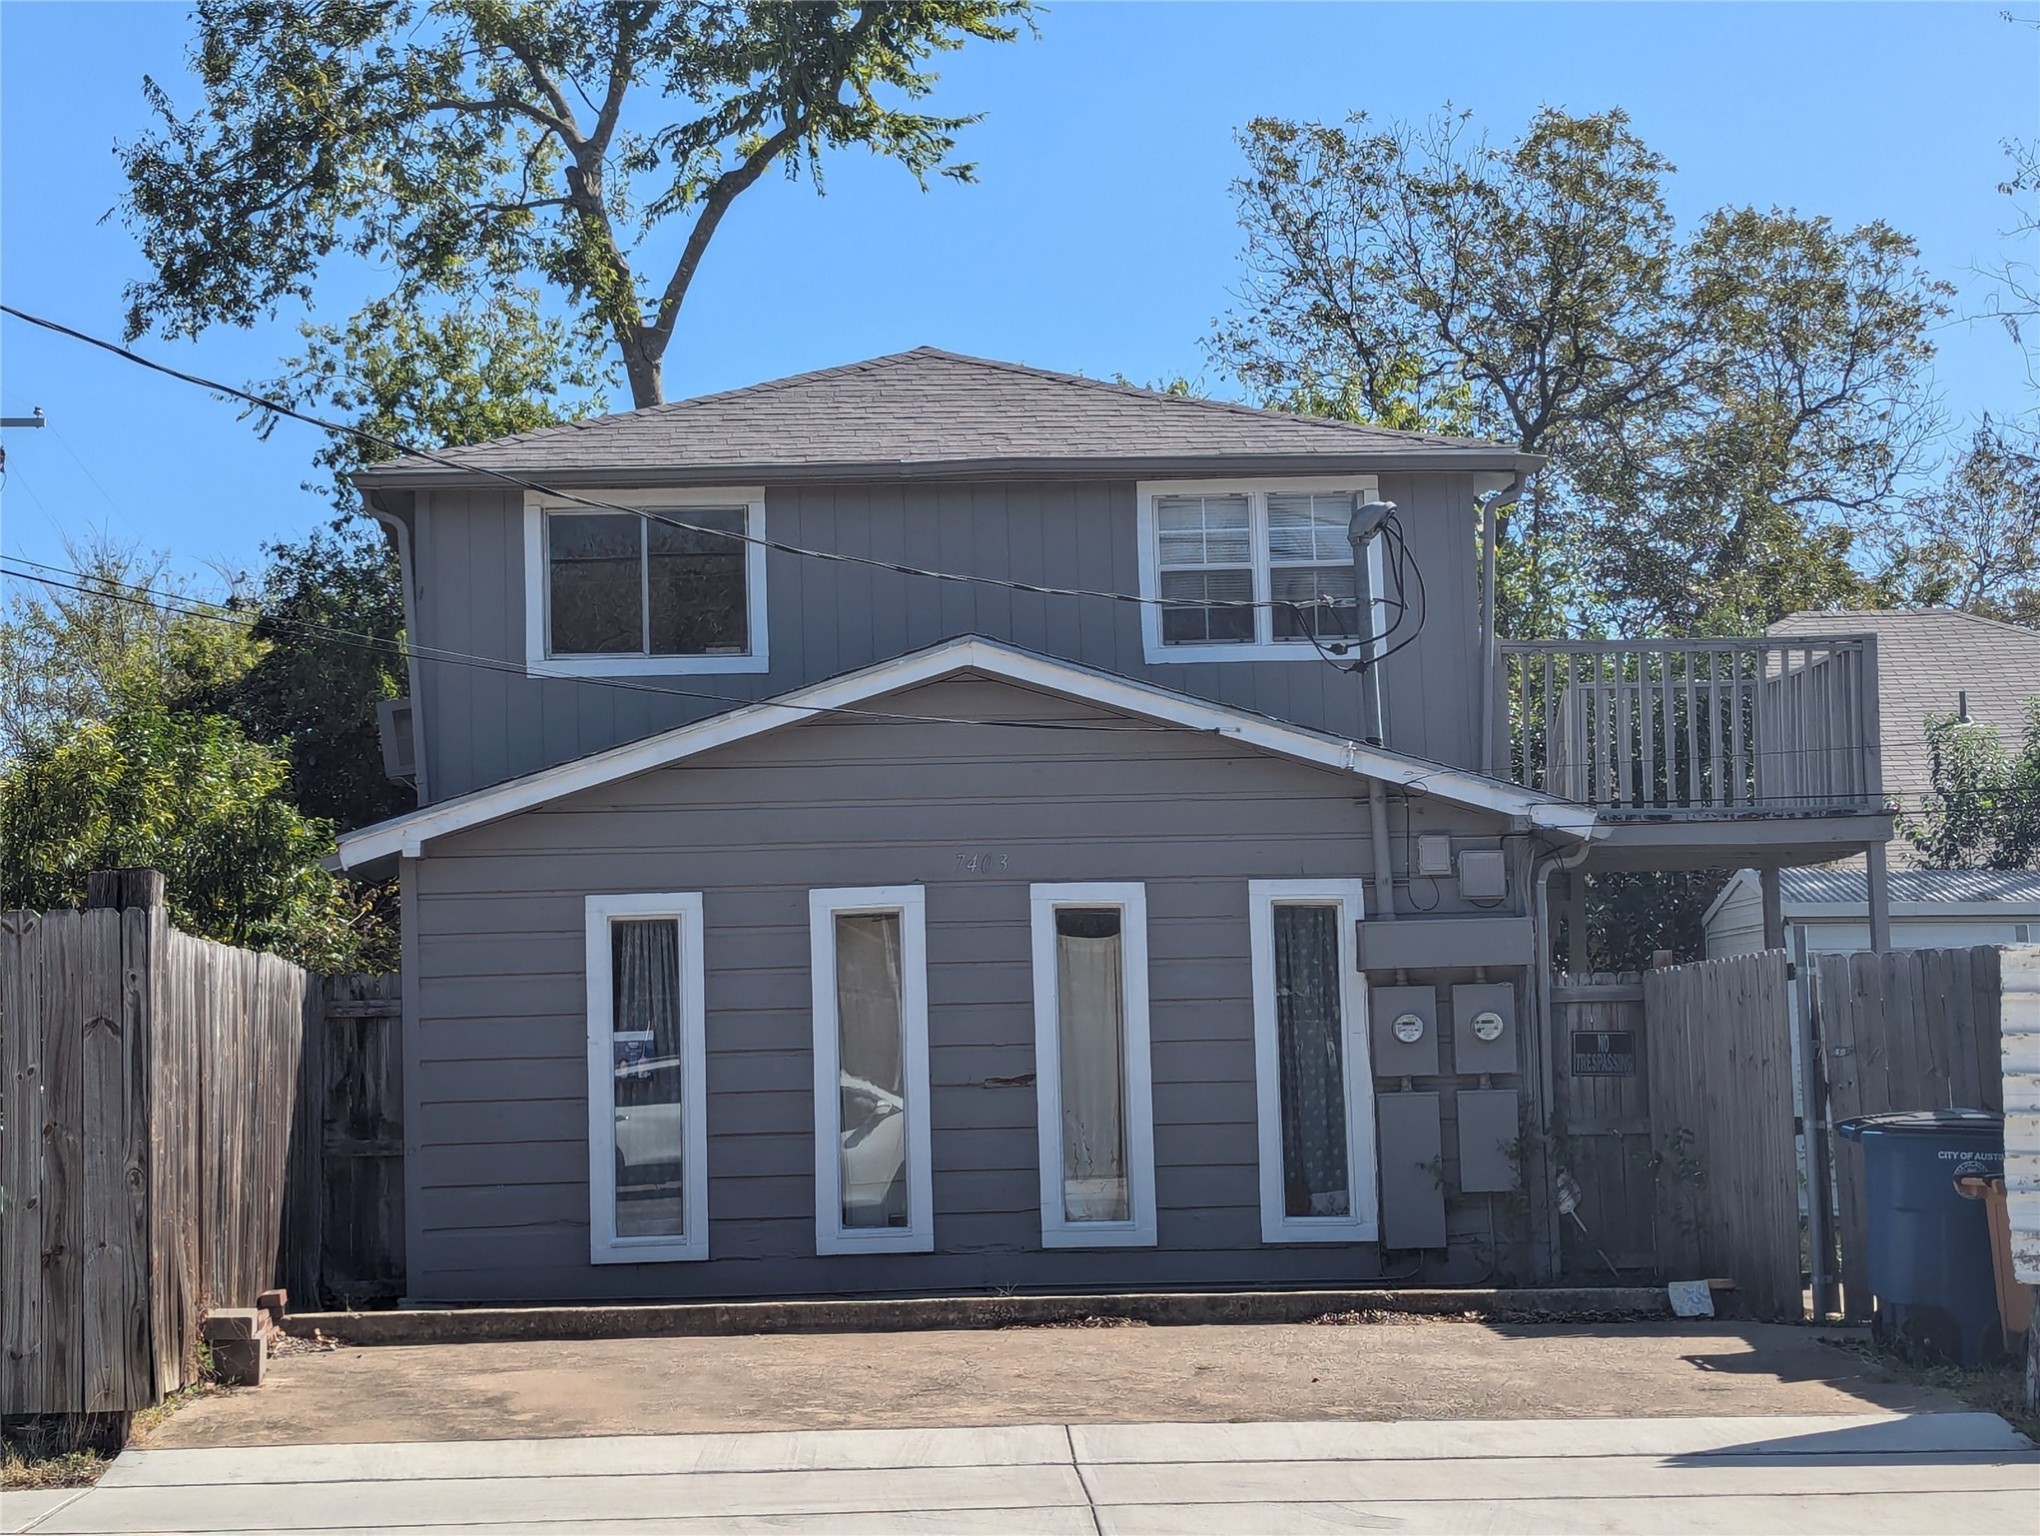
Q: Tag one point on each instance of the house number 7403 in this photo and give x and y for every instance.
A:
(985, 861)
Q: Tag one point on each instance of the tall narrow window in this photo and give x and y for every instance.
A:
(1094, 1086)
(873, 1179)
(647, 1080)
(1313, 1085)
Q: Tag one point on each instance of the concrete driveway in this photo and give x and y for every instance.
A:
(1861, 1475)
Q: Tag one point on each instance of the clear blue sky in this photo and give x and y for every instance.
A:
(1100, 240)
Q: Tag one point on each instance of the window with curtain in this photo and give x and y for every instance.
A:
(1094, 1079)
(1091, 1016)
(648, 1063)
(1309, 1035)
(1313, 1085)
(870, 1033)
(874, 1164)
(624, 584)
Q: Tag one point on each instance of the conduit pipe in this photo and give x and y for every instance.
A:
(1490, 505)
(1384, 870)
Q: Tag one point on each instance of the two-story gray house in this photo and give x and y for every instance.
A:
(918, 826)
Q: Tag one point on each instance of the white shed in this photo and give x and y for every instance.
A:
(1930, 909)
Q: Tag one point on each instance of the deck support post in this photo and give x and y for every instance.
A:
(1774, 908)
(1577, 959)
(1879, 881)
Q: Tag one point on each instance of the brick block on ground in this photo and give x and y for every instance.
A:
(230, 1323)
(275, 1303)
(239, 1362)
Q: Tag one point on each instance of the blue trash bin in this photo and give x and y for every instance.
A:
(1930, 1259)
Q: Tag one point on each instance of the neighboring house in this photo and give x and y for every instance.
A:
(784, 924)
(1826, 911)
(1930, 663)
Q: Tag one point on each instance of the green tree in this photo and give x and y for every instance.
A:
(1972, 539)
(330, 617)
(114, 756)
(1983, 811)
(463, 148)
(1721, 410)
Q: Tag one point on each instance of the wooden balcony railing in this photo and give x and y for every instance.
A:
(1675, 727)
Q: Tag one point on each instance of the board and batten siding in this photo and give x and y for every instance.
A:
(495, 1068)
(482, 726)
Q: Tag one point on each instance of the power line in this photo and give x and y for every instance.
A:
(392, 445)
(180, 606)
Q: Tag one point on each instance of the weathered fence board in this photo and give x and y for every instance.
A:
(1606, 1105)
(151, 1088)
(1905, 1030)
(21, 972)
(1720, 1075)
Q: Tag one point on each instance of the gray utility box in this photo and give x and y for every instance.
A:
(1390, 1007)
(1412, 1188)
(1488, 1131)
(1484, 1028)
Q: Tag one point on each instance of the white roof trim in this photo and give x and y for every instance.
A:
(406, 835)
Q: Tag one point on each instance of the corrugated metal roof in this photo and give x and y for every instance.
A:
(1822, 886)
(1926, 657)
(929, 407)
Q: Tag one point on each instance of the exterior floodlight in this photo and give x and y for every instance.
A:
(1367, 521)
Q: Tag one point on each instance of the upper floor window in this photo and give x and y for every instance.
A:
(676, 587)
(1248, 570)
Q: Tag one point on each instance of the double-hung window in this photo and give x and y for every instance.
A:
(1094, 1086)
(874, 1183)
(1313, 1084)
(1240, 570)
(668, 581)
(647, 1080)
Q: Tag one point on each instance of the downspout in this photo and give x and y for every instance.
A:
(406, 572)
(1490, 505)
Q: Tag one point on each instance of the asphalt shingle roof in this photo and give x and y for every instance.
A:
(1925, 658)
(929, 407)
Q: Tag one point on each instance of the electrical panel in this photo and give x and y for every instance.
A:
(1483, 874)
(1404, 1027)
(1489, 1128)
(1434, 855)
(1484, 1028)
(1412, 1187)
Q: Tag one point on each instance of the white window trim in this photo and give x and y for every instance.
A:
(537, 663)
(1056, 1230)
(831, 1236)
(1362, 1224)
(1264, 647)
(604, 1246)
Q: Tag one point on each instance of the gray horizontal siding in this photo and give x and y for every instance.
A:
(496, 1068)
(483, 726)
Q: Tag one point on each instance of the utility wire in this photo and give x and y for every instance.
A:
(392, 445)
(188, 607)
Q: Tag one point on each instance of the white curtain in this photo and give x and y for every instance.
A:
(870, 1051)
(1091, 1014)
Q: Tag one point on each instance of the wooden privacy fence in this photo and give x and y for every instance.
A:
(1907, 1030)
(157, 1130)
(1722, 1128)
(344, 1220)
